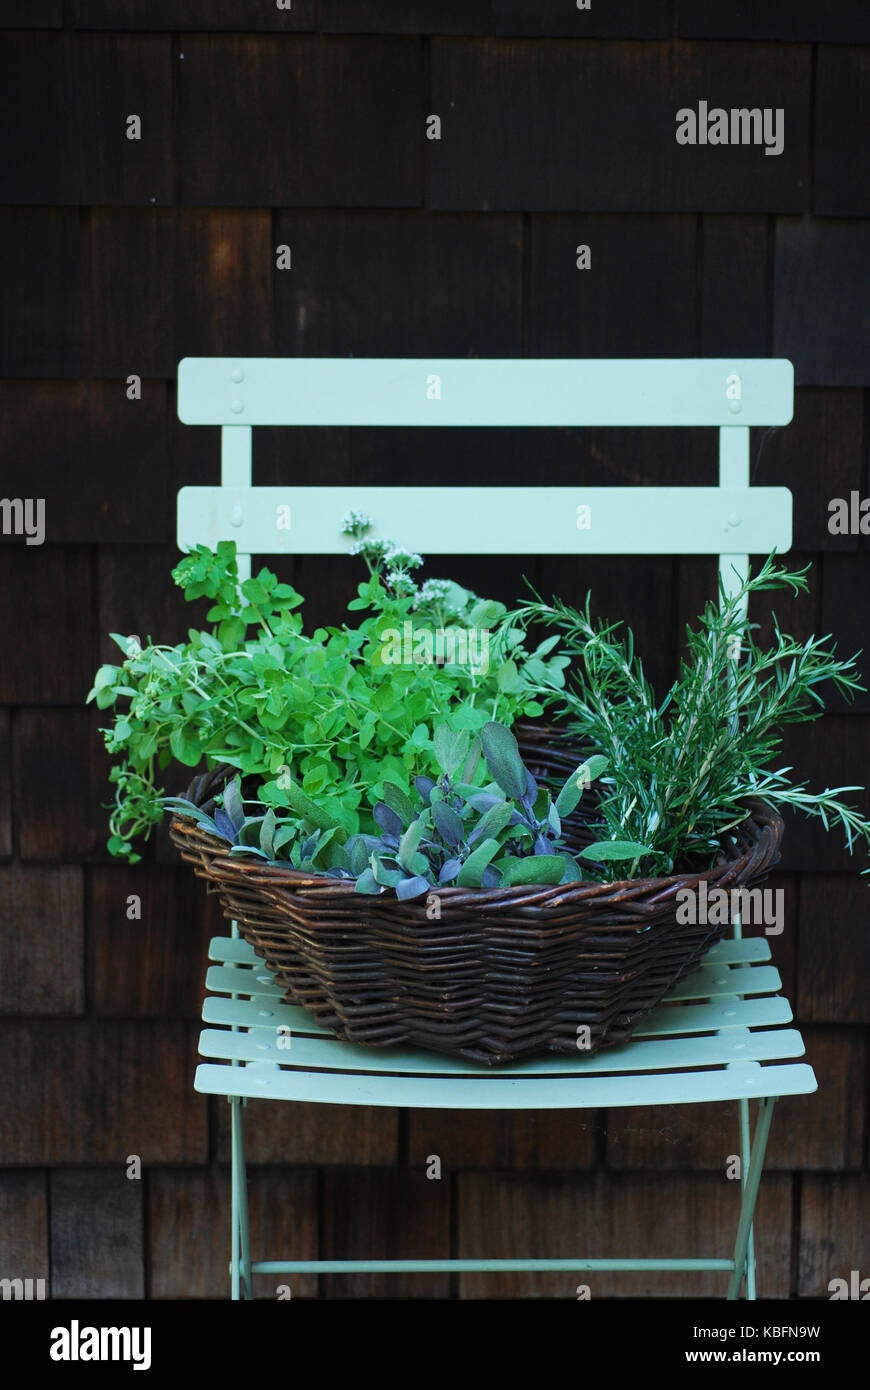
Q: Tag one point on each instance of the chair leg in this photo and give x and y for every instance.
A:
(240, 1267)
(751, 1183)
(745, 1137)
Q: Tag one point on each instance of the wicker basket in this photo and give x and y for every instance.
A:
(502, 973)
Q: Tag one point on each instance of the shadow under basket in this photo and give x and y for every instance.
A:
(490, 975)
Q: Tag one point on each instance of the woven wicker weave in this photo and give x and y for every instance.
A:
(503, 973)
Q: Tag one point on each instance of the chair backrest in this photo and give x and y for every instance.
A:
(731, 520)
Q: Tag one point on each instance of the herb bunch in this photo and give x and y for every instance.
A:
(325, 710)
(681, 771)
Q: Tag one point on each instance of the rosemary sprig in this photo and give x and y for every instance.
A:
(681, 771)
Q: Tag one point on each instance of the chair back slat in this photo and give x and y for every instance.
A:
(491, 391)
(491, 520)
(732, 520)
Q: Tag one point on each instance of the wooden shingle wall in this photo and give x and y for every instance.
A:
(306, 127)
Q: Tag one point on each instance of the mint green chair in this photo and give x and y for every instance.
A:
(721, 1036)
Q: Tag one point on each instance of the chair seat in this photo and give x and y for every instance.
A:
(703, 1043)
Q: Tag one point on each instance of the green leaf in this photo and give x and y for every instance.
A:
(397, 801)
(471, 872)
(486, 613)
(180, 806)
(231, 633)
(267, 833)
(409, 843)
(413, 887)
(106, 675)
(122, 849)
(605, 850)
(451, 747)
(185, 749)
(594, 766)
(387, 877)
(580, 778)
(232, 803)
(315, 779)
(493, 821)
(306, 808)
(508, 677)
(448, 823)
(573, 872)
(255, 593)
(469, 767)
(287, 597)
(367, 883)
(337, 857)
(367, 730)
(463, 716)
(357, 853)
(283, 834)
(328, 839)
(385, 696)
(273, 795)
(503, 759)
(536, 868)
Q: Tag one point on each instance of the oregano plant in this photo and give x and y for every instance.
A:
(333, 710)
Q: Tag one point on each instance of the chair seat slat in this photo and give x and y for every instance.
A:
(505, 1093)
(663, 1054)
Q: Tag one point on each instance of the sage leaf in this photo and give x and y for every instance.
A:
(397, 801)
(387, 819)
(503, 759)
(408, 845)
(267, 833)
(232, 799)
(448, 823)
(413, 887)
(580, 778)
(451, 747)
(472, 870)
(367, 883)
(387, 877)
(309, 810)
(224, 826)
(424, 787)
(538, 868)
(605, 850)
(469, 767)
(449, 869)
(493, 822)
